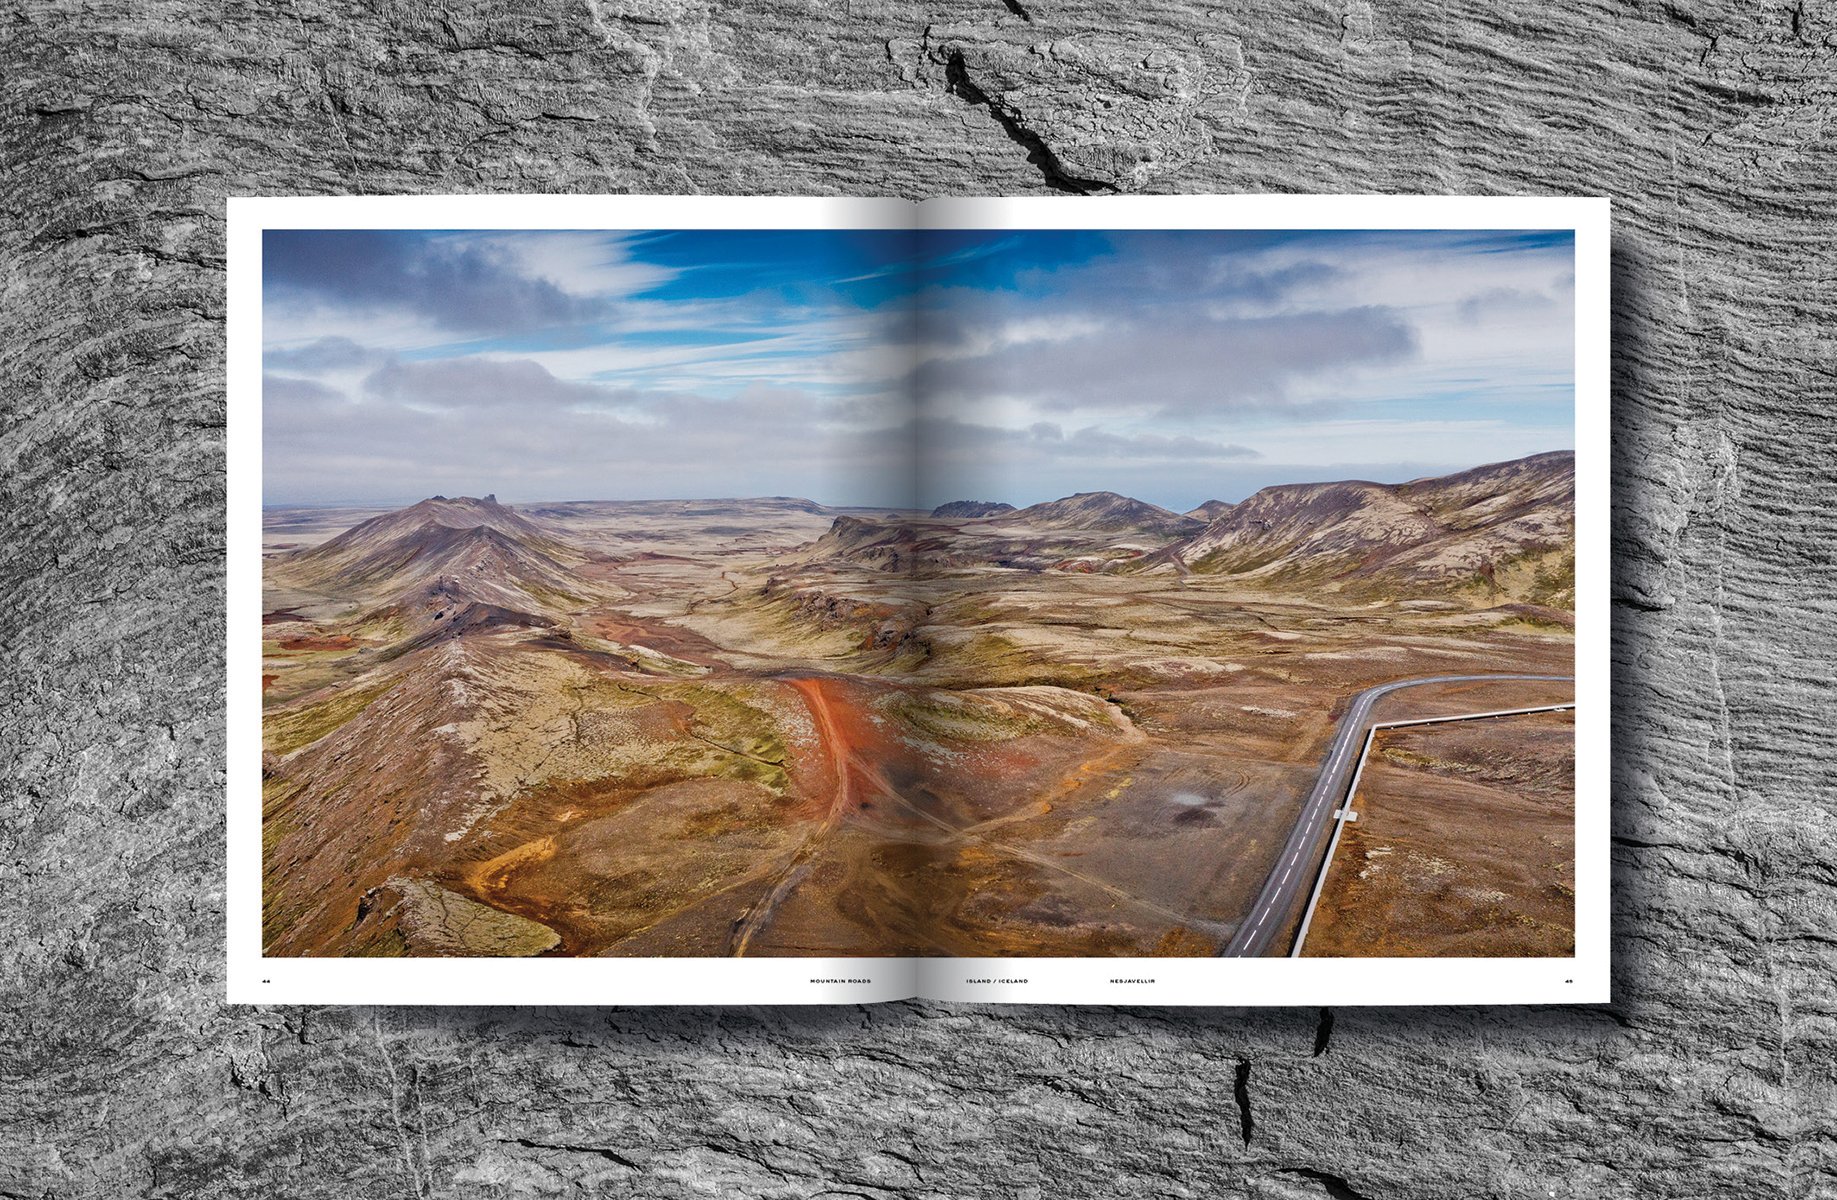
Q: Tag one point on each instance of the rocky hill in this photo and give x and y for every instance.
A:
(971, 509)
(439, 560)
(1109, 512)
(433, 527)
(886, 545)
(1509, 527)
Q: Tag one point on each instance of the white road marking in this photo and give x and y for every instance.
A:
(1351, 726)
(1345, 814)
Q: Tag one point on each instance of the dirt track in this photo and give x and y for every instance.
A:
(841, 768)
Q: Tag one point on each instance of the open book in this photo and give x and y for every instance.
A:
(669, 600)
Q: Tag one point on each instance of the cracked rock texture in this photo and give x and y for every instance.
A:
(124, 126)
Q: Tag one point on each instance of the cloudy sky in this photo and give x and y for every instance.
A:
(894, 368)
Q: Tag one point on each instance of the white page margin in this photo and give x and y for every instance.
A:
(253, 978)
(1583, 978)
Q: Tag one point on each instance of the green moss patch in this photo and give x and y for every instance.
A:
(284, 731)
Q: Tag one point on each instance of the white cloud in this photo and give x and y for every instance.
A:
(1170, 365)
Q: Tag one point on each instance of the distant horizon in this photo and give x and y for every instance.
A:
(1174, 365)
(1410, 472)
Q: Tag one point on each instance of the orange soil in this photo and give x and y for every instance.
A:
(836, 739)
(658, 636)
(339, 641)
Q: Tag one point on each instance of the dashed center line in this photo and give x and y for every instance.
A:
(1276, 893)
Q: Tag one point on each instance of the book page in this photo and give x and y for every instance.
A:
(539, 690)
(1270, 538)
(664, 600)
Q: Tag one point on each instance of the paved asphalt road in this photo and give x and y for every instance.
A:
(1294, 869)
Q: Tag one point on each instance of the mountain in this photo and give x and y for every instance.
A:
(888, 544)
(1108, 512)
(1509, 526)
(471, 562)
(1211, 510)
(429, 525)
(972, 508)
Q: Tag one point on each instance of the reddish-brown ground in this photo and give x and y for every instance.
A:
(1464, 846)
(336, 641)
(657, 635)
(849, 784)
(778, 789)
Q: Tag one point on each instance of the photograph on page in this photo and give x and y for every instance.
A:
(635, 600)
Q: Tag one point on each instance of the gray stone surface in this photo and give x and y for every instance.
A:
(124, 126)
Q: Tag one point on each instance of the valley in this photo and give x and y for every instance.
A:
(1085, 727)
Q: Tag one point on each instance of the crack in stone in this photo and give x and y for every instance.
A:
(1335, 1186)
(419, 1173)
(1240, 1091)
(604, 1152)
(957, 81)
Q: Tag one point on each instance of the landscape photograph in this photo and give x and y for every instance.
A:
(974, 593)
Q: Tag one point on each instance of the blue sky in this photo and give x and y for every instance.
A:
(1177, 366)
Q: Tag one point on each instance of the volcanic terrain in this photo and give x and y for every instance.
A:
(769, 727)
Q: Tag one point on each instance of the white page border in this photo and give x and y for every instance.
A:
(253, 978)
